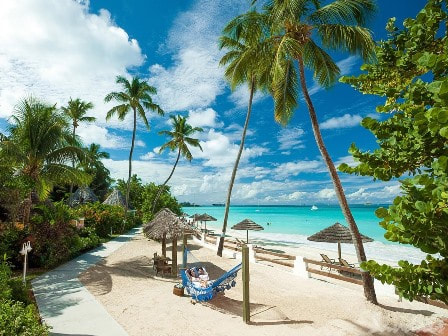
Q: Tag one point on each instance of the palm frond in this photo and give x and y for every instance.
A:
(325, 69)
(120, 110)
(354, 39)
(348, 12)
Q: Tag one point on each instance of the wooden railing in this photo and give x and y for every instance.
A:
(331, 267)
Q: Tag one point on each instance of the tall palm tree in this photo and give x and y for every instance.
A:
(249, 64)
(180, 139)
(39, 146)
(76, 110)
(93, 156)
(135, 97)
(94, 166)
(296, 29)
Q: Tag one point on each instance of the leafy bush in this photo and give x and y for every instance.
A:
(17, 315)
(103, 218)
(18, 319)
(10, 240)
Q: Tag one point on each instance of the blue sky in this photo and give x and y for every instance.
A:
(57, 49)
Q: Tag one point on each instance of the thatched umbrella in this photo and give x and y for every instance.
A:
(247, 225)
(337, 233)
(166, 225)
(82, 195)
(195, 217)
(115, 198)
(206, 218)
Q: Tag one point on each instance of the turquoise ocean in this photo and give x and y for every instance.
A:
(291, 225)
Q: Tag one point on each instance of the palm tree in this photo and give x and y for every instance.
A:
(296, 29)
(246, 63)
(94, 166)
(180, 139)
(135, 97)
(93, 156)
(39, 146)
(76, 110)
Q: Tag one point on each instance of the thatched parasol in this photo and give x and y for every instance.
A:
(115, 198)
(206, 218)
(166, 225)
(337, 233)
(247, 225)
(82, 195)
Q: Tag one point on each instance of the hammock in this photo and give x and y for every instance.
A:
(225, 281)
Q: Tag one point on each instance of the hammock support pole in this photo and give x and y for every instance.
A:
(246, 301)
(184, 247)
(174, 258)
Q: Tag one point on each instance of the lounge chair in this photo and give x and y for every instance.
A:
(239, 242)
(328, 261)
(345, 263)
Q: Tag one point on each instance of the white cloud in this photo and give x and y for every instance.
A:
(203, 118)
(196, 78)
(55, 49)
(289, 169)
(326, 194)
(147, 156)
(290, 138)
(240, 97)
(385, 194)
(91, 133)
(346, 121)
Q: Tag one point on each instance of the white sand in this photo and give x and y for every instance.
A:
(282, 303)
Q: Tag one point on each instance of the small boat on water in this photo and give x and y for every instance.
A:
(314, 208)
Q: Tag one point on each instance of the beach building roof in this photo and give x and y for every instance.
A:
(82, 195)
(115, 198)
(247, 224)
(336, 233)
(165, 223)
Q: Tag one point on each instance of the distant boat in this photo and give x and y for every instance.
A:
(257, 210)
(313, 208)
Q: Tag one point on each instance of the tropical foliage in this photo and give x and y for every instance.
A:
(180, 140)
(135, 97)
(411, 73)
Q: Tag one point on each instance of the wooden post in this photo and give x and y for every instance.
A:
(339, 251)
(246, 302)
(174, 258)
(184, 247)
(164, 245)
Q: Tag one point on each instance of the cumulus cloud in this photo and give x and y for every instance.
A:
(91, 133)
(346, 121)
(55, 49)
(290, 138)
(289, 169)
(203, 118)
(326, 194)
(195, 78)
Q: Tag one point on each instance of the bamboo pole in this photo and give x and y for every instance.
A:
(246, 302)
(164, 245)
(184, 247)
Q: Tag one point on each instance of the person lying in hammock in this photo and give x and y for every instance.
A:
(198, 276)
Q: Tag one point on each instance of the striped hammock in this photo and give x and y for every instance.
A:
(225, 281)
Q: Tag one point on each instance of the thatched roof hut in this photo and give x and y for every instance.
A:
(81, 196)
(336, 233)
(165, 224)
(247, 224)
(116, 198)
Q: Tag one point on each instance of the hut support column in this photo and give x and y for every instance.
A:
(174, 257)
(164, 245)
(339, 250)
(184, 247)
(246, 302)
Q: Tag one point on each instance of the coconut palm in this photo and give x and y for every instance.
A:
(94, 166)
(246, 63)
(180, 140)
(297, 28)
(93, 156)
(135, 97)
(39, 146)
(76, 110)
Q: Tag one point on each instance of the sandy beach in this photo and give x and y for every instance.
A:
(281, 303)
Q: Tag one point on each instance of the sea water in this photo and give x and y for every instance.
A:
(291, 225)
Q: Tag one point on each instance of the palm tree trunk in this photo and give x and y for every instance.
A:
(128, 187)
(369, 290)
(235, 168)
(73, 161)
(159, 192)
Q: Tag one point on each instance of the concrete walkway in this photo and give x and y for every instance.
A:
(67, 306)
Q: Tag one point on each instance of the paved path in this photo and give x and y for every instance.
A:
(67, 306)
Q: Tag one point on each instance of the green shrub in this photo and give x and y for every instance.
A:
(5, 275)
(18, 319)
(103, 218)
(10, 240)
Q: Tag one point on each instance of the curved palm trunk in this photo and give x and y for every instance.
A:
(73, 161)
(235, 168)
(159, 192)
(369, 290)
(130, 161)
